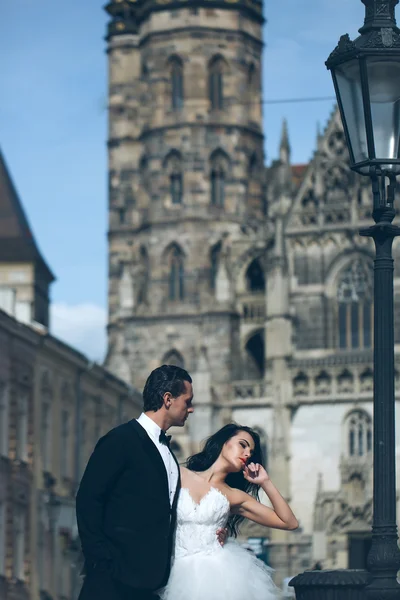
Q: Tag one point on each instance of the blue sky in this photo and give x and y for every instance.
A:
(53, 127)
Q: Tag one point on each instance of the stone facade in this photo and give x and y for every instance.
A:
(54, 406)
(254, 279)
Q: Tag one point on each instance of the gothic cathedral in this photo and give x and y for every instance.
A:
(254, 279)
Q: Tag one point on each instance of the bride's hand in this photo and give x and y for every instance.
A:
(255, 473)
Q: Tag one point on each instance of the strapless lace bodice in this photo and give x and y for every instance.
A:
(197, 523)
(204, 570)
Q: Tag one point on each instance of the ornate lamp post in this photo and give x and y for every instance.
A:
(366, 76)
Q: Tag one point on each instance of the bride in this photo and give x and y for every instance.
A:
(219, 489)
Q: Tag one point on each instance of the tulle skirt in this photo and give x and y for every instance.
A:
(230, 573)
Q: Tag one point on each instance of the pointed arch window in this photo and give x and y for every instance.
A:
(255, 356)
(252, 91)
(358, 433)
(176, 78)
(173, 357)
(176, 274)
(355, 306)
(216, 83)
(255, 279)
(218, 172)
(215, 255)
(173, 165)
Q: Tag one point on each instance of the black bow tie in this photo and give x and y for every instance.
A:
(164, 438)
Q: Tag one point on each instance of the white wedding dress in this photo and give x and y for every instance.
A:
(201, 568)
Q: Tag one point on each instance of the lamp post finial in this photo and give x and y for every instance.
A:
(379, 13)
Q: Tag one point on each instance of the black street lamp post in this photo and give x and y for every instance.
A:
(366, 76)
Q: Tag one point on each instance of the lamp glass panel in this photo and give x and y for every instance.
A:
(384, 92)
(348, 80)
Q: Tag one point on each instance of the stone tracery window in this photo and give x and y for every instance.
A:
(252, 91)
(219, 169)
(173, 165)
(358, 431)
(176, 78)
(254, 365)
(216, 70)
(255, 278)
(215, 257)
(355, 307)
(176, 274)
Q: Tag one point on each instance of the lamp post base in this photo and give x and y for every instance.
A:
(341, 584)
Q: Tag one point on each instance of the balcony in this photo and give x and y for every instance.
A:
(252, 309)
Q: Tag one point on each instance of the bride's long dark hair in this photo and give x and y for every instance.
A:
(211, 451)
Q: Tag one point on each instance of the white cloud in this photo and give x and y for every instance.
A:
(82, 326)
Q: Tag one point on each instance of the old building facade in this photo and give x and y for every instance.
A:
(54, 406)
(254, 279)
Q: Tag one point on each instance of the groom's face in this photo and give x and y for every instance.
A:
(181, 406)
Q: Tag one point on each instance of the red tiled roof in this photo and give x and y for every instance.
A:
(298, 172)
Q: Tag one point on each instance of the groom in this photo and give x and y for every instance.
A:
(126, 502)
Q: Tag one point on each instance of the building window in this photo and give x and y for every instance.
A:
(176, 274)
(175, 187)
(2, 538)
(253, 90)
(173, 166)
(8, 299)
(217, 186)
(45, 434)
(176, 75)
(21, 450)
(19, 543)
(355, 307)
(359, 433)
(122, 216)
(64, 446)
(216, 83)
(4, 418)
(255, 279)
(215, 256)
(255, 357)
(219, 166)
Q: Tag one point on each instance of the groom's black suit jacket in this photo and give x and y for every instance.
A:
(125, 519)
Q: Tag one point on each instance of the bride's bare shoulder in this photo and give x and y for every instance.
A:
(185, 473)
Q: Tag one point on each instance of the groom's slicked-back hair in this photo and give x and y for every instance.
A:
(167, 378)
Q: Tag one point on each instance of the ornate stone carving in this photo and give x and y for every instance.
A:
(323, 383)
(345, 382)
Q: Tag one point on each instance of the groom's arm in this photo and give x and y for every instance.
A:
(104, 466)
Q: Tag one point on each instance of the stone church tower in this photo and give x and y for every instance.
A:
(186, 197)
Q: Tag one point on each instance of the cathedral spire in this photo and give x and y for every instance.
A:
(284, 148)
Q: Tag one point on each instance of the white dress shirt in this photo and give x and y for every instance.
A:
(153, 431)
